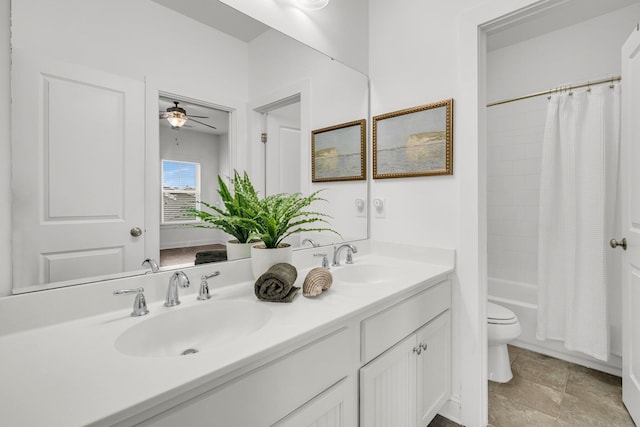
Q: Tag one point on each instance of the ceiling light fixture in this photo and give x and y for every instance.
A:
(312, 4)
(176, 116)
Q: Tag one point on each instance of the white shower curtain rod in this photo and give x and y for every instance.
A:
(559, 89)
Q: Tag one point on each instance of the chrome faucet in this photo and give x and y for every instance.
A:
(152, 264)
(350, 251)
(310, 241)
(177, 279)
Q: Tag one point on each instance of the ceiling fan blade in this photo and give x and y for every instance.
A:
(197, 117)
(164, 115)
(204, 124)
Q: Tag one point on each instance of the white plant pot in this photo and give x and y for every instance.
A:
(263, 258)
(237, 250)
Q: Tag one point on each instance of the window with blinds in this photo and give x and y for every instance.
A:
(180, 190)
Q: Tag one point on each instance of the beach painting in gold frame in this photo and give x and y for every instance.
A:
(338, 152)
(416, 141)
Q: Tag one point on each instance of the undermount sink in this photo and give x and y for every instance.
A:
(367, 273)
(189, 330)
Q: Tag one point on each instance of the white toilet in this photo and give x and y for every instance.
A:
(503, 327)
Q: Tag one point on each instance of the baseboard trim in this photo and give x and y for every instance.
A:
(452, 409)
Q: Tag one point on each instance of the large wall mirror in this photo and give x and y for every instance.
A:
(92, 155)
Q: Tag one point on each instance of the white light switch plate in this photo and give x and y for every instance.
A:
(361, 207)
(379, 207)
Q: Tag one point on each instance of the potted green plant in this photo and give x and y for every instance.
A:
(236, 218)
(278, 216)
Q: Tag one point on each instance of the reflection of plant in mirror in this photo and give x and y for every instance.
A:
(281, 215)
(271, 219)
(237, 216)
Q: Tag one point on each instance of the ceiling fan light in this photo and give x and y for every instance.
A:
(176, 119)
(312, 4)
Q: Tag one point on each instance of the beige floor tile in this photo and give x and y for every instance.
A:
(532, 394)
(514, 351)
(546, 372)
(504, 412)
(549, 392)
(589, 382)
(579, 412)
(544, 359)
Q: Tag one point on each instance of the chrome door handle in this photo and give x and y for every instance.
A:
(614, 243)
(136, 232)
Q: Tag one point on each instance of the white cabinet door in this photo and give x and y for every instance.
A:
(408, 384)
(332, 408)
(78, 146)
(388, 388)
(433, 367)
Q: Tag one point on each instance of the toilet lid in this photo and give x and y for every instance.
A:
(500, 315)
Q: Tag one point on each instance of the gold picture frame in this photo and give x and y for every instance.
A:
(417, 141)
(338, 153)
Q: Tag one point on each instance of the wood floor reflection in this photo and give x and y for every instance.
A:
(183, 256)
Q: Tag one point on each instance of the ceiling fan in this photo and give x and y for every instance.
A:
(177, 117)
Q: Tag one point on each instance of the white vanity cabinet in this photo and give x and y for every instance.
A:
(407, 384)
(309, 383)
(403, 369)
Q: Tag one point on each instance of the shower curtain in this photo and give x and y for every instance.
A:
(578, 192)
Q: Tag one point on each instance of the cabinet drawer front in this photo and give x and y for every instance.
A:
(333, 408)
(384, 329)
(268, 393)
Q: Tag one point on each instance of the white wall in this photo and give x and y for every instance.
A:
(191, 146)
(413, 61)
(339, 30)
(5, 149)
(134, 39)
(579, 53)
(336, 94)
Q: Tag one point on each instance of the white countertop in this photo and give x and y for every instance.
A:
(71, 374)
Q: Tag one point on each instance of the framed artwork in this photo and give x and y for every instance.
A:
(338, 152)
(417, 141)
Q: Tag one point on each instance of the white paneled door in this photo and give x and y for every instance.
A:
(78, 171)
(282, 160)
(630, 173)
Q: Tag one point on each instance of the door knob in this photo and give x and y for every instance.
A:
(614, 243)
(136, 231)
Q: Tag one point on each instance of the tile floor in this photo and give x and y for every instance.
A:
(550, 392)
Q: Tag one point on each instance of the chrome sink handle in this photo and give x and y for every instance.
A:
(325, 261)
(336, 253)
(139, 303)
(177, 279)
(203, 294)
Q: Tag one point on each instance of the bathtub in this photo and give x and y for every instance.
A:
(522, 299)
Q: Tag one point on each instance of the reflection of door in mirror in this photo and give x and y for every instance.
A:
(282, 160)
(83, 129)
(283, 151)
(191, 158)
